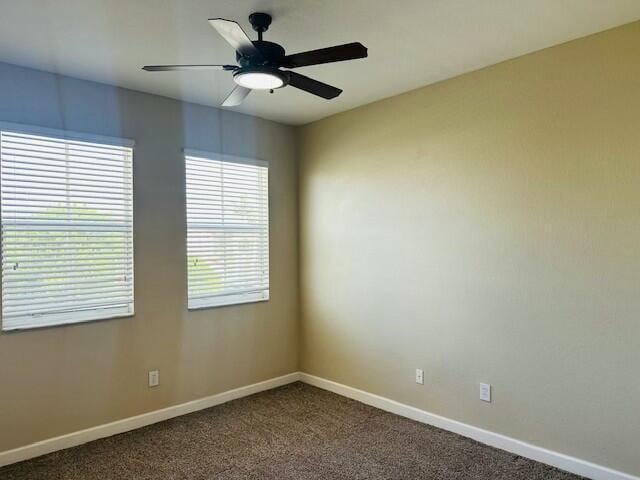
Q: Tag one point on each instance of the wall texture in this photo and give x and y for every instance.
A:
(58, 380)
(487, 229)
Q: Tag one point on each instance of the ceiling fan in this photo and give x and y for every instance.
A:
(261, 62)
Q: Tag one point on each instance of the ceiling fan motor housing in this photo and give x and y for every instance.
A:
(270, 54)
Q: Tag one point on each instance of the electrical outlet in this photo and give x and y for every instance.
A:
(419, 376)
(154, 378)
(485, 392)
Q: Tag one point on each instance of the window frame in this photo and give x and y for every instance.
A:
(82, 316)
(231, 299)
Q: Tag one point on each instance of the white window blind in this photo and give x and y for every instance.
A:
(227, 230)
(67, 245)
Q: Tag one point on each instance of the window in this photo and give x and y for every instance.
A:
(67, 246)
(227, 230)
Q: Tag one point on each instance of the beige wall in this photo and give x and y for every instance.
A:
(487, 229)
(58, 380)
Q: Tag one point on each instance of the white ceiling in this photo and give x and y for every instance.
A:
(411, 42)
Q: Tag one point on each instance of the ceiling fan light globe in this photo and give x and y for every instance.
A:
(258, 80)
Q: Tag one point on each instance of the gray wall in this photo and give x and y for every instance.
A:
(58, 380)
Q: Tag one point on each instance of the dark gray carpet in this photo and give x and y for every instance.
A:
(293, 432)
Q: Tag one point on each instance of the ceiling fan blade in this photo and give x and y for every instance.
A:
(173, 68)
(233, 33)
(236, 97)
(339, 53)
(313, 86)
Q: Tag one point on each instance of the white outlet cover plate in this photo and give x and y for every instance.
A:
(419, 376)
(154, 378)
(485, 392)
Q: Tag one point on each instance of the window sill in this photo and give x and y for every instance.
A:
(64, 323)
(229, 304)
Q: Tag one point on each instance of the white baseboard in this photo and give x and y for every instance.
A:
(131, 423)
(549, 457)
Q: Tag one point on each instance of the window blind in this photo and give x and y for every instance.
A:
(67, 245)
(227, 230)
